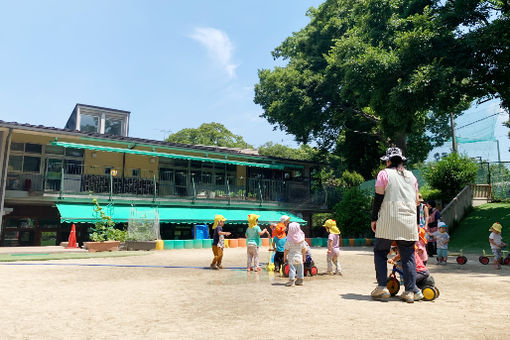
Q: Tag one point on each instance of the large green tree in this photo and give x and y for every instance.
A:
(364, 74)
(209, 134)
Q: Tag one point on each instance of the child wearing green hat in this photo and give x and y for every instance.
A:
(497, 243)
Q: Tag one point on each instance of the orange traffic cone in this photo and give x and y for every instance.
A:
(72, 238)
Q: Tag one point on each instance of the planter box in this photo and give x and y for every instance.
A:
(102, 246)
(141, 245)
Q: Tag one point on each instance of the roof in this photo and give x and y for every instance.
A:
(248, 153)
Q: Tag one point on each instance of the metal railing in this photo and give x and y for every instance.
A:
(77, 180)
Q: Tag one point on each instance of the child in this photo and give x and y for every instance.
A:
(496, 243)
(432, 223)
(421, 246)
(279, 239)
(253, 234)
(307, 266)
(422, 273)
(333, 247)
(218, 241)
(442, 238)
(295, 252)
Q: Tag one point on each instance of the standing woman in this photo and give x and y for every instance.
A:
(394, 219)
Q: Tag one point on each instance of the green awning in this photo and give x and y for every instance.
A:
(166, 155)
(84, 213)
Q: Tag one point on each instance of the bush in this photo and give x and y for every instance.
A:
(450, 175)
(352, 214)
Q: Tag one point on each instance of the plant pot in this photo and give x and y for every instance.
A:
(94, 247)
(141, 245)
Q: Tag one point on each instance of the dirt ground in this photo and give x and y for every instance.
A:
(41, 301)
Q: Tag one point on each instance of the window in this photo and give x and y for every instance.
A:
(33, 148)
(15, 163)
(89, 123)
(31, 164)
(107, 170)
(18, 147)
(74, 152)
(113, 127)
(135, 172)
(54, 150)
(73, 167)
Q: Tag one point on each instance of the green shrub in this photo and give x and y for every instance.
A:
(430, 194)
(352, 214)
(450, 175)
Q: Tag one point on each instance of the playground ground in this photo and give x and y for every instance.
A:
(64, 301)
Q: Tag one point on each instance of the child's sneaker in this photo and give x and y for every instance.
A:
(299, 282)
(213, 266)
(290, 283)
(258, 269)
(248, 269)
(219, 266)
(418, 296)
(407, 297)
(380, 293)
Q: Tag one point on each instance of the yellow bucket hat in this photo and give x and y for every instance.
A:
(217, 220)
(252, 220)
(496, 226)
(331, 224)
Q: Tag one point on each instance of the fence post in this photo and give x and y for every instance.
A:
(194, 188)
(61, 181)
(155, 189)
(260, 192)
(228, 192)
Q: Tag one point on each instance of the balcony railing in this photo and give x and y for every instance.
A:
(252, 189)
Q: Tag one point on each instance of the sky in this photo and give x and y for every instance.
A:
(172, 64)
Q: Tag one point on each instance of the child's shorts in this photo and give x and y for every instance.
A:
(442, 252)
(497, 253)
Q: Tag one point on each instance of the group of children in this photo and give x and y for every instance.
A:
(289, 244)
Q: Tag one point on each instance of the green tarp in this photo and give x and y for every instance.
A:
(84, 213)
(169, 155)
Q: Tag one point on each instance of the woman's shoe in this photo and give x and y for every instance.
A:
(290, 283)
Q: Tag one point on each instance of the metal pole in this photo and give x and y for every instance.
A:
(111, 185)
(61, 180)
(499, 155)
(454, 142)
(155, 188)
(228, 190)
(194, 188)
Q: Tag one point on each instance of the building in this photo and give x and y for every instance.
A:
(49, 176)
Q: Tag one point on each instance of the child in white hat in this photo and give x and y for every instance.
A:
(497, 243)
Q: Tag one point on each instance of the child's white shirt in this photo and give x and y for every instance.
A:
(496, 238)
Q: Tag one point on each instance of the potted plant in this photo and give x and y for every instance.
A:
(141, 235)
(104, 236)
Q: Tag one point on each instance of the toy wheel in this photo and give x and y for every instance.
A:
(393, 286)
(437, 292)
(286, 270)
(507, 261)
(484, 260)
(429, 293)
(313, 271)
(461, 259)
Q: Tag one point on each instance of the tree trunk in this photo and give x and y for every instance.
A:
(400, 141)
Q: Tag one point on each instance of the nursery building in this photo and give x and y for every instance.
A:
(49, 177)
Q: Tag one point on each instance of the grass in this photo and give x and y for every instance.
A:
(472, 234)
(67, 256)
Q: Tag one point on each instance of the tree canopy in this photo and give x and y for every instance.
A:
(304, 152)
(365, 74)
(209, 134)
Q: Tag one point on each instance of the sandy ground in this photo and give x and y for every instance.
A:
(78, 302)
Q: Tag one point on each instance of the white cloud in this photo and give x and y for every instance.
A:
(218, 46)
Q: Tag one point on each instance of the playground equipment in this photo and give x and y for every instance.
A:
(505, 258)
(427, 286)
(460, 258)
(312, 270)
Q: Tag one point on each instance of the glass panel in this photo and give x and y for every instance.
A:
(135, 172)
(74, 152)
(113, 127)
(49, 238)
(54, 150)
(33, 148)
(89, 123)
(15, 163)
(31, 164)
(73, 167)
(17, 147)
(166, 174)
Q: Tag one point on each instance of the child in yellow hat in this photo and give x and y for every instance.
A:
(497, 243)
(253, 233)
(218, 241)
(333, 247)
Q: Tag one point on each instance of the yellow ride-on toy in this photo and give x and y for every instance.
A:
(427, 286)
(505, 259)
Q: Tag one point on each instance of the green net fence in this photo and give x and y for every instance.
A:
(498, 175)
